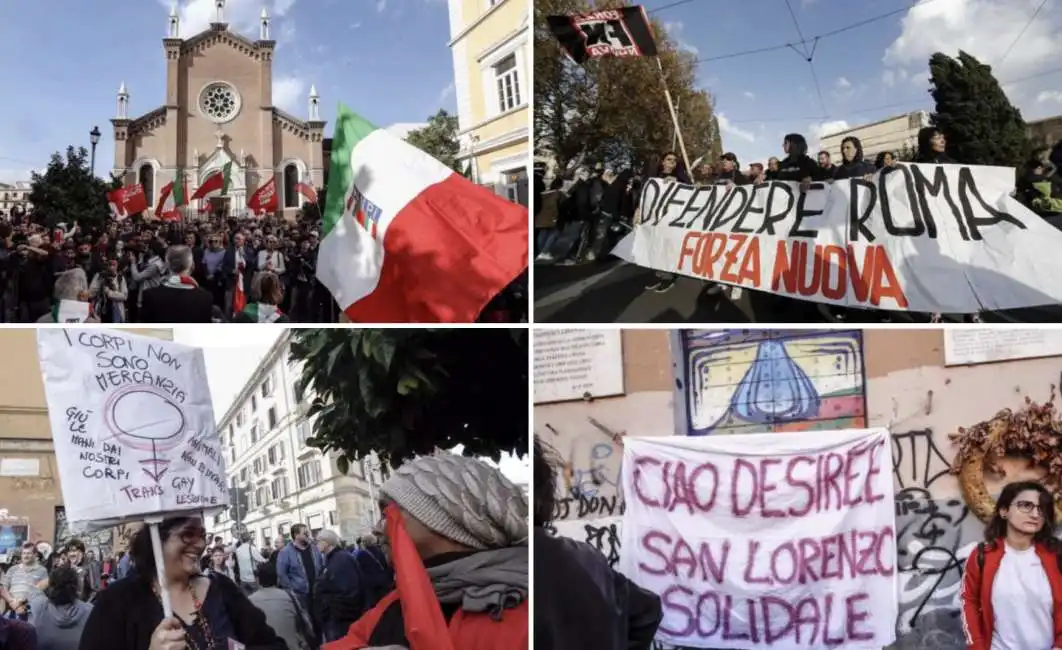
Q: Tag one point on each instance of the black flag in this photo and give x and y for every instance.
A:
(623, 32)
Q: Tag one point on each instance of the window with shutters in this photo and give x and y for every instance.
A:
(309, 473)
(507, 80)
(272, 416)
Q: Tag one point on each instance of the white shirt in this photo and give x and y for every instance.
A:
(248, 557)
(276, 257)
(1022, 602)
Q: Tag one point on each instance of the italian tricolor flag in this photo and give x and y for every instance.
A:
(172, 197)
(216, 184)
(406, 239)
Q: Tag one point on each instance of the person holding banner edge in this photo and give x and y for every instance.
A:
(668, 169)
(1012, 587)
(208, 611)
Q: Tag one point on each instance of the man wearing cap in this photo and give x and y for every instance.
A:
(337, 595)
(468, 525)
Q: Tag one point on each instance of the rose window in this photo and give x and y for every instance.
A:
(219, 102)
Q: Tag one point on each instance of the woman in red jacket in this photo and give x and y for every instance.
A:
(1012, 588)
(456, 531)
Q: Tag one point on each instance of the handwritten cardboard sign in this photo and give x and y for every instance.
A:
(928, 238)
(133, 425)
(766, 540)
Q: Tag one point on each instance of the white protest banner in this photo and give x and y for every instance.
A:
(927, 238)
(133, 426)
(765, 540)
(72, 311)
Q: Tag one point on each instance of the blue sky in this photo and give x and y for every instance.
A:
(864, 74)
(65, 59)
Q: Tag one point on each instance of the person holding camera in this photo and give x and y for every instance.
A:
(108, 292)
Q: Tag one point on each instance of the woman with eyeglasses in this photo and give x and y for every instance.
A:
(1012, 588)
(209, 611)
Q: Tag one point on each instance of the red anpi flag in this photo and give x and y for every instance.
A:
(307, 191)
(264, 199)
(127, 200)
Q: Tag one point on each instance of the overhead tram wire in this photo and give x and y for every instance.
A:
(679, 3)
(804, 41)
(1017, 38)
(809, 56)
(879, 107)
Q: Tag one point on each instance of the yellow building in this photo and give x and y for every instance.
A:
(14, 196)
(29, 477)
(491, 46)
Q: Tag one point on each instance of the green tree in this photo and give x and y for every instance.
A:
(68, 192)
(438, 138)
(614, 109)
(980, 123)
(403, 392)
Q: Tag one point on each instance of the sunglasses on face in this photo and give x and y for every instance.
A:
(1027, 507)
(192, 534)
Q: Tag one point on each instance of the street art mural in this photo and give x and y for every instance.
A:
(753, 381)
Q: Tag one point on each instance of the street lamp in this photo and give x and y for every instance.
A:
(94, 138)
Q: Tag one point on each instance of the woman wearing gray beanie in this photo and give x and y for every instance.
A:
(469, 526)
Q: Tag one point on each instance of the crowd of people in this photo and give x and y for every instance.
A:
(138, 271)
(581, 216)
(466, 521)
(206, 270)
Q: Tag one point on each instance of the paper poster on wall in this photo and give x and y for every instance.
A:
(571, 364)
(973, 346)
(765, 540)
(133, 426)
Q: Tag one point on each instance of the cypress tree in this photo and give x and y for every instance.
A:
(981, 125)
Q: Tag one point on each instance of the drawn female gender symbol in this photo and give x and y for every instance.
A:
(146, 419)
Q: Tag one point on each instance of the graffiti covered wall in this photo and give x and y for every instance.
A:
(780, 381)
(922, 402)
(754, 381)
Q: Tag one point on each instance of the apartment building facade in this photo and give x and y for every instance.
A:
(491, 47)
(264, 433)
(15, 197)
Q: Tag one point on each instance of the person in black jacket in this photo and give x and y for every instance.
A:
(932, 147)
(581, 602)
(178, 299)
(852, 163)
(798, 165)
(668, 169)
(208, 611)
(337, 593)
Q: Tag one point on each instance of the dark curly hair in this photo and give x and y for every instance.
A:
(64, 584)
(140, 551)
(545, 477)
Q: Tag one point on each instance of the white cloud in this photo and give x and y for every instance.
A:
(290, 94)
(241, 15)
(819, 130)
(446, 93)
(674, 30)
(355, 25)
(727, 128)
(985, 29)
(843, 84)
(381, 5)
(1050, 96)
(749, 94)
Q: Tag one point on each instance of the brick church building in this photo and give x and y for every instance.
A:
(218, 109)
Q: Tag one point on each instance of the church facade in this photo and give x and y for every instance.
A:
(218, 109)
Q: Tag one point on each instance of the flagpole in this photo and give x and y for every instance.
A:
(674, 117)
